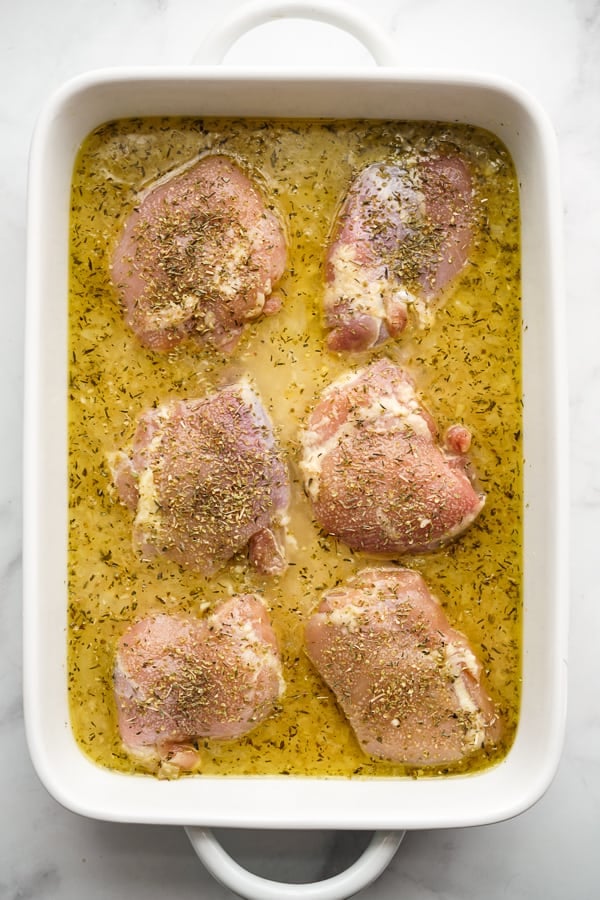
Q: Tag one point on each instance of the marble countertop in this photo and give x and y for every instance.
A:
(552, 48)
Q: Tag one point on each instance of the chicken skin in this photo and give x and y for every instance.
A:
(374, 471)
(178, 678)
(401, 236)
(408, 683)
(205, 479)
(199, 257)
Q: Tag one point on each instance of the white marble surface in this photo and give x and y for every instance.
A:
(552, 47)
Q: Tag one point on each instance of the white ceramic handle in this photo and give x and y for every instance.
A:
(360, 874)
(332, 12)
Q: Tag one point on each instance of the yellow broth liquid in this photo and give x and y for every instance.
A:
(466, 366)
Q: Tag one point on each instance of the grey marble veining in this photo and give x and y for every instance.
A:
(551, 47)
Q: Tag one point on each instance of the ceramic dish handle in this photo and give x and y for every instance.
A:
(331, 12)
(363, 872)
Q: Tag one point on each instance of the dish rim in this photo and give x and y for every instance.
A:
(75, 781)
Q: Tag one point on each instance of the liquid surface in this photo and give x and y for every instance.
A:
(466, 366)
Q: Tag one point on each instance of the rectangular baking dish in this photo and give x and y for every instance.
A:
(294, 802)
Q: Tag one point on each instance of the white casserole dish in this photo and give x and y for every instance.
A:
(395, 804)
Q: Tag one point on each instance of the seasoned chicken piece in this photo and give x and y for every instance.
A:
(178, 678)
(401, 235)
(376, 475)
(199, 257)
(409, 684)
(205, 479)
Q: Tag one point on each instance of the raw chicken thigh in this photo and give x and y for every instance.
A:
(178, 678)
(409, 684)
(205, 479)
(199, 257)
(373, 468)
(402, 234)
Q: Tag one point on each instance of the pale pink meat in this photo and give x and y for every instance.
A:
(199, 257)
(401, 236)
(178, 678)
(409, 683)
(375, 472)
(205, 479)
